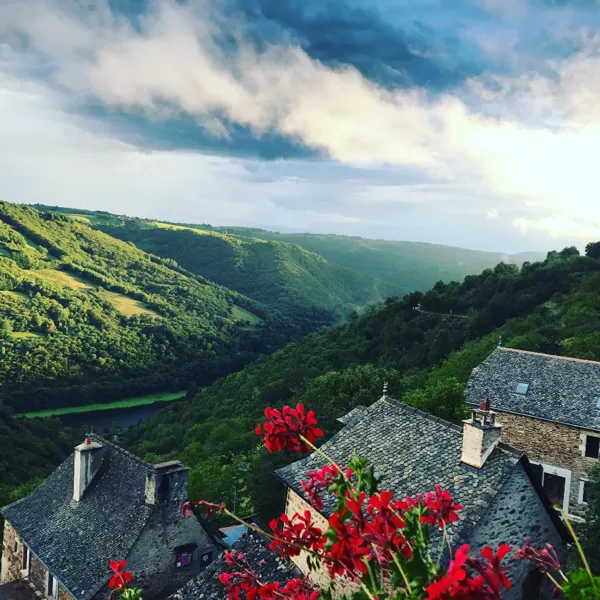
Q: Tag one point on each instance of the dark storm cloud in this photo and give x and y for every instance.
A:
(338, 33)
(183, 132)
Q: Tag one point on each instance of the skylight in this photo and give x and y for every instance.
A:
(598, 402)
(523, 387)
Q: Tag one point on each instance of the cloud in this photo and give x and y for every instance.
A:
(522, 140)
(493, 213)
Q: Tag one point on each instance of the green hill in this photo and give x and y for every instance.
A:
(424, 345)
(87, 318)
(298, 273)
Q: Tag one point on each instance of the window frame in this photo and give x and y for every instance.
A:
(188, 550)
(525, 383)
(51, 585)
(581, 492)
(566, 474)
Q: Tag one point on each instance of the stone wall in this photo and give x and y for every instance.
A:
(295, 504)
(63, 594)
(38, 574)
(153, 557)
(517, 514)
(550, 443)
(12, 562)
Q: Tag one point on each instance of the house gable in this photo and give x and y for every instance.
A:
(127, 509)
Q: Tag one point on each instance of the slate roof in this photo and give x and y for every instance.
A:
(563, 390)
(75, 541)
(207, 586)
(413, 451)
(353, 415)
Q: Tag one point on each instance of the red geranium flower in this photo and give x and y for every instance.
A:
(283, 429)
(494, 574)
(545, 558)
(321, 480)
(120, 577)
(440, 508)
(296, 534)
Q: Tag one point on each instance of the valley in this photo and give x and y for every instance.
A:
(125, 312)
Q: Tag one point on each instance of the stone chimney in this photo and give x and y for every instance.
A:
(167, 482)
(481, 434)
(87, 461)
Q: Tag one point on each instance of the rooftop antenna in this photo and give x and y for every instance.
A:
(385, 388)
(500, 342)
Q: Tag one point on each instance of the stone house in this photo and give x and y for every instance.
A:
(549, 407)
(502, 498)
(102, 504)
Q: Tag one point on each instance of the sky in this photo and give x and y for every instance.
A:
(469, 123)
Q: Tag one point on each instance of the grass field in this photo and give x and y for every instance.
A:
(127, 403)
(241, 314)
(20, 295)
(124, 304)
(127, 306)
(63, 278)
(27, 335)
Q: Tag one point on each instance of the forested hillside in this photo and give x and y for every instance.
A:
(283, 275)
(424, 345)
(298, 273)
(88, 318)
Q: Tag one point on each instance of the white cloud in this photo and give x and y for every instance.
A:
(560, 227)
(538, 149)
(493, 213)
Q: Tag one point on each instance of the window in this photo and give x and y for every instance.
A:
(184, 555)
(16, 548)
(592, 446)
(598, 402)
(51, 586)
(522, 388)
(584, 492)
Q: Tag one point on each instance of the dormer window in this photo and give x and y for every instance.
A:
(522, 388)
(184, 555)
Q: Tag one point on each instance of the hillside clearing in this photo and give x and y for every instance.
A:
(127, 306)
(19, 295)
(27, 335)
(241, 314)
(126, 403)
(62, 278)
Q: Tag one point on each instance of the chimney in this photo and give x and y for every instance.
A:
(167, 482)
(481, 434)
(87, 461)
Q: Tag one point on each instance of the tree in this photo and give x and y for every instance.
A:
(592, 250)
(443, 398)
(589, 531)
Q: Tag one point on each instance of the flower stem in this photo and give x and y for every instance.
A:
(579, 548)
(406, 582)
(325, 456)
(554, 581)
(447, 538)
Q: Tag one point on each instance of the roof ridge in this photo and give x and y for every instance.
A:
(423, 414)
(511, 449)
(583, 360)
(122, 450)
